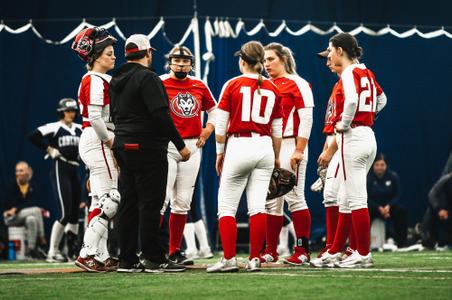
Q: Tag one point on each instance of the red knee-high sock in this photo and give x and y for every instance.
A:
(361, 227)
(352, 238)
(332, 214)
(342, 232)
(228, 235)
(257, 234)
(302, 223)
(274, 225)
(176, 226)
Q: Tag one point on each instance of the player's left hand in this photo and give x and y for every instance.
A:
(296, 159)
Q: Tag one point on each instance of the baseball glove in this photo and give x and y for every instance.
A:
(281, 182)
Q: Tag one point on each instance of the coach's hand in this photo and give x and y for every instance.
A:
(185, 153)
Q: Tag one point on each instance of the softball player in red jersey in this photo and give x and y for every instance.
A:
(358, 98)
(250, 114)
(297, 102)
(94, 46)
(188, 97)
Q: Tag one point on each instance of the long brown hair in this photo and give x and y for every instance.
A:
(284, 54)
(253, 54)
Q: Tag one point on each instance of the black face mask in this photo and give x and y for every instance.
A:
(181, 75)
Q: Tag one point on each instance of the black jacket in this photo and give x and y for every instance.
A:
(14, 198)
(384, 190)
(139, 109)
(440, 196)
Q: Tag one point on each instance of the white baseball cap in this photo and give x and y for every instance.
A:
(141, 41)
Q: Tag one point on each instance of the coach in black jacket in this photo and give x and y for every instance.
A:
(143, 128)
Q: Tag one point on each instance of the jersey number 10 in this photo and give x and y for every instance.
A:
(251, 107)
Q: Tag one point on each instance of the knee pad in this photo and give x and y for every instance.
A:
(109, 203)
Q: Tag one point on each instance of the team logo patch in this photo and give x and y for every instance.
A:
(185, 105)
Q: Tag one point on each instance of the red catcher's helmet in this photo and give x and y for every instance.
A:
(91, 40)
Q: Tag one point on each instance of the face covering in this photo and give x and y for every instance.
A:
(180, 75)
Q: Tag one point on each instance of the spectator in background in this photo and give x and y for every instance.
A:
(383, 190)
(22, 209)
(438, 214)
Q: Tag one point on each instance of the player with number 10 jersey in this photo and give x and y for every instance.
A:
(249, 115)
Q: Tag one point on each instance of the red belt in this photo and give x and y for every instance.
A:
(245, 134)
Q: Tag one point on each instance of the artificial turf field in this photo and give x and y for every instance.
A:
(418, 275)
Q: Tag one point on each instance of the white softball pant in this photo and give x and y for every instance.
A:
(181, 177)
(331, 187)
(248, 165)
(295, 198)
(103, 174)
(357, 149)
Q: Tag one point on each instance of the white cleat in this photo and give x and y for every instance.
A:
(356, 260)
(327, 260)
(269, 258)
(224, 266)
(205, 253)
(254, 265)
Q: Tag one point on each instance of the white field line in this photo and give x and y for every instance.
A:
(352, 276)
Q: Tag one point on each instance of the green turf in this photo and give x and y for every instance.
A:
(420, 275)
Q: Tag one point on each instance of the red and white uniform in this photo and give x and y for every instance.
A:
(331, 187)
(188, 99)
(93, 97)
(357, 146)
(296, 94)
(249, 158)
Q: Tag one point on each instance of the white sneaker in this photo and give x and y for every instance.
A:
(254, 265)
(327, 260)
(356, 260)
(205, 253)
(223, 266)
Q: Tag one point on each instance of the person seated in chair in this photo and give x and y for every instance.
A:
(383, 189)
(22, 209)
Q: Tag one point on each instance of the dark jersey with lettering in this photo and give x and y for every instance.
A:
(59, 136)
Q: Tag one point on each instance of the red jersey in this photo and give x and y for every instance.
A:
(336, 98)
(295, 93)
(248, 110)
(187, 99)
(358, 82)
(93, 90)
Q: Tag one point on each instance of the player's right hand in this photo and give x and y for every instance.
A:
(324, 159)
(54, 153)
(185, 153)
(219, 163)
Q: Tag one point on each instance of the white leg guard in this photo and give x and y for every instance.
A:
(201, 234)
(93, 234)
(55, 238)
(102, 249)
(189, 236)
